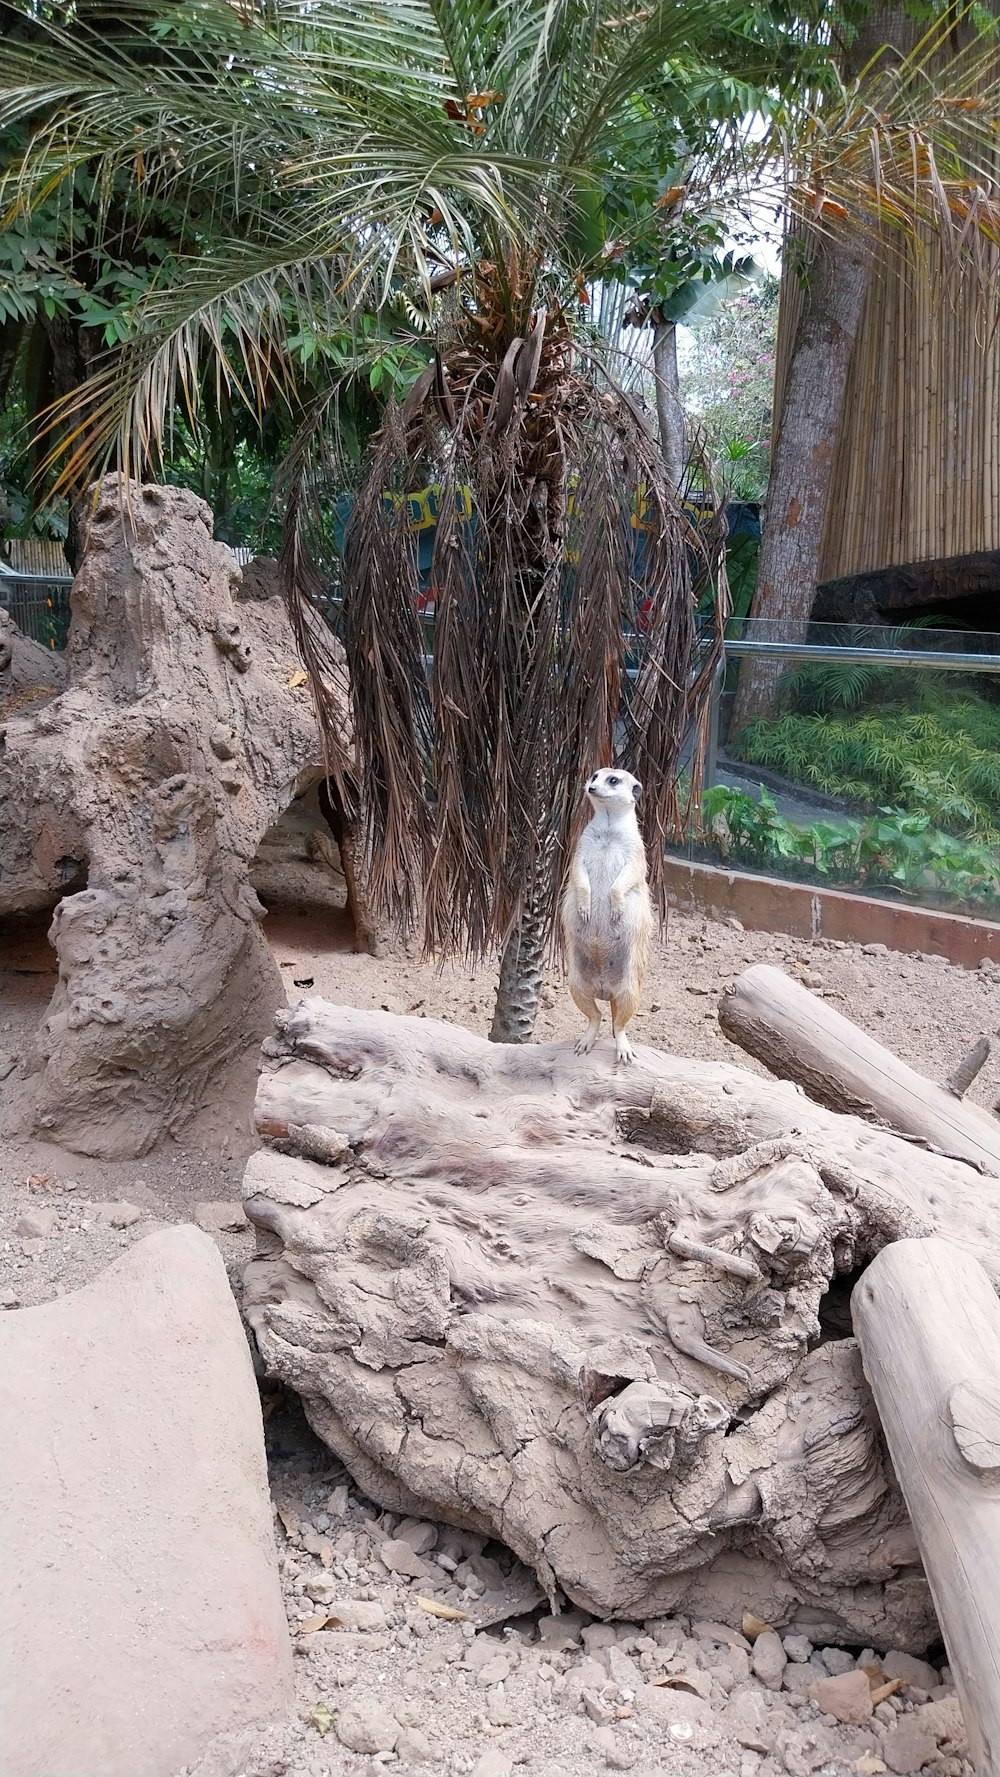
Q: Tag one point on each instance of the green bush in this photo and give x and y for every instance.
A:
(893, 850)
(941, 762)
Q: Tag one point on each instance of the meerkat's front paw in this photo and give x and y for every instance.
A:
(583, 912)
(617, 912)
(624, 1051)
(585, 1043)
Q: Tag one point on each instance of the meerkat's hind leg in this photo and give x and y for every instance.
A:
(623, 1010)
(592, 1012)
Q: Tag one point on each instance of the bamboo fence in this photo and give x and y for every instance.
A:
(916, 470)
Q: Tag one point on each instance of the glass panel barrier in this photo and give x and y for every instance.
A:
(865, 758)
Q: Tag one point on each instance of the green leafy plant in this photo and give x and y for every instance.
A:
(941, 762)
(892, 850)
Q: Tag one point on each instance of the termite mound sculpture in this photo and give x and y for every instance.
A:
(592, 1312)
(132, 803)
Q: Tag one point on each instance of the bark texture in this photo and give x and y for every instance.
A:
(802, 461)
(669, 406)
(578, 1308)
(929, 1328)
(134, 803)
(522, 967)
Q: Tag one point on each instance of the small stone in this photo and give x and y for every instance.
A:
(364, 1726)
(117, 1215)
(493, 1763)
(847, 1696)
(398, 1557)
(32, 1248)
(911, 1671)
(494, 1672)
(769, 1659)
(802, 1752)
(560, 1633)
(797, 1647)
(36, 1224)
(868, 1765)
(811, 978)
(875, 949)
(420, 1536)
(319, 1546)
(746, 1719)
(908, 1746)
(943, 1719)
(598, 1707)
(338, 1501)
(622, 1670)
(363, 1614)
(836, 1660)
(9, 1299)
(414, 1748)
(221, 1218)
(663, 1703)
(597, 1635)
(498, 1711)
(721, 1633)
(603, 1741)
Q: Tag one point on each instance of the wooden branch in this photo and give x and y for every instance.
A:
(970, 1066)
(928, 1324)
(801, 1038)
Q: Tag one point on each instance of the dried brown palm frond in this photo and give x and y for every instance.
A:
(556, 645)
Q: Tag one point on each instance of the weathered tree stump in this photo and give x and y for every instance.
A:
(133, 803)
(928, 1324)
(579, 1308)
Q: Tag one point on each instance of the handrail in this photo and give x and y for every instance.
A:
(959, 663)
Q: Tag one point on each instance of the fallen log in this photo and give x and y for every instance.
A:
(801, 1038)
(578, 1308)
(928, 1324)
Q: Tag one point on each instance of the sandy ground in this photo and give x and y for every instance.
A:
(508, 1697)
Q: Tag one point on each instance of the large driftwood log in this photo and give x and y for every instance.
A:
(579, 1308)
(801, 1038)
(928, 1325)
(133, 803)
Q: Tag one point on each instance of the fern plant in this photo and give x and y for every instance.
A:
(944, 764)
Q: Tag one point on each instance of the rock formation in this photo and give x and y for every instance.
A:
(594, 1313)
(133, 803)
(140, 1607)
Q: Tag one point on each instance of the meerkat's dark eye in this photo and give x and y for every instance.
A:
(614, 782)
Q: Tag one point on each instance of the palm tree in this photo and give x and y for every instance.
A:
(449, 162)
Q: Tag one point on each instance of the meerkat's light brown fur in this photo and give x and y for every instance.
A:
(607, 914)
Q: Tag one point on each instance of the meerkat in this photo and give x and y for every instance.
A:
(607, 913)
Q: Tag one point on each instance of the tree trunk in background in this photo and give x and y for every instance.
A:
(798, 492)
(669, 410)
(522, 967)
(838, 278)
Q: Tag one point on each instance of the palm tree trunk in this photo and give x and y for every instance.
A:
(669, 411)
(798, 492)
(522, 968)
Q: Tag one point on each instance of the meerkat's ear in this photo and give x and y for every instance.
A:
(637, 791)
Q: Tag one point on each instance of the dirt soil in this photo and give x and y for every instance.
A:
(411, 1691)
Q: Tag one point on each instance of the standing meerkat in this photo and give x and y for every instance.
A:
(607, 914)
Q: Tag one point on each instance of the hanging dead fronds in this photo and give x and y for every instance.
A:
(565, 579)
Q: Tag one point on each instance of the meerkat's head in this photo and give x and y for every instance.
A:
(611, 788)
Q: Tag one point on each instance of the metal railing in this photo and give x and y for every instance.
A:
(39, 605)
